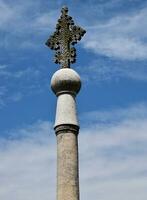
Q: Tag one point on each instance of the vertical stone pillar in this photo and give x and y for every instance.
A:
(66, 84)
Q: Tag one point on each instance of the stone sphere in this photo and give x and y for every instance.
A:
(65, 80)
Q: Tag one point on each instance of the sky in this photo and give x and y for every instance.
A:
(112, 104)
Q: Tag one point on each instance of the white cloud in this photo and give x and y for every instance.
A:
(29, 16)
(10, 78)
(6, 13)
(24, 24)
(110, 69)
(27, 167)
(121, 37)
(3, 67)
(113, 162)
(46, 21)
(134, 112)
(3, 91)
(16, 97)
(115, 155)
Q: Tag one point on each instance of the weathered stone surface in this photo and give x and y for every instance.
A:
(65, 81)
(66, 110)
(66, 84)
(67, 166)
(66, 35)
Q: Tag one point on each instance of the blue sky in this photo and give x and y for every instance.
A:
(112, 104)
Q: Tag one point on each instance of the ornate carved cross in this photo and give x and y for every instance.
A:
(66, 34)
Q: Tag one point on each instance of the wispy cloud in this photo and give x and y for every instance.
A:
(29, 80)
(3, 67)
(122, 37)
(23, 158)
(20, 13)
(116, 154)
(6, 72)
(116, 35)
(25, 23)
(3, 91)
(112, 164)
(6, 14)
(107, 69)
(138, 111)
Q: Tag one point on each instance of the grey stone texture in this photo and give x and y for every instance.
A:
(66, 83)
(65, 80)
(67, 166)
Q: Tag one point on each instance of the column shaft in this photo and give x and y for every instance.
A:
(67, 166)
(66, 84)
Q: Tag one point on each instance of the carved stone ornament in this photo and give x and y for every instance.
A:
(66, 35)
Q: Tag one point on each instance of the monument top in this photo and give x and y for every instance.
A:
(66, 35)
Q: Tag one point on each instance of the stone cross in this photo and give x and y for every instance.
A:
(66, 84)
(66, 34)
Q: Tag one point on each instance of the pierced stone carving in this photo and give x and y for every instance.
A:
(66, 35)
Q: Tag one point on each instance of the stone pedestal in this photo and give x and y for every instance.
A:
(66, 84)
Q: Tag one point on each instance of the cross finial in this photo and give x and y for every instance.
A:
(66, 35)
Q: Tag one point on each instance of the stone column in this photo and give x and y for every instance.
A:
(66, 84)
